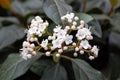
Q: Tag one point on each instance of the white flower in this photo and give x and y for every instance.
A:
(85, 44)
(82, 33)
(61, 34)
(26, 44)
(91, 57)
(29, 56)
(24, 53)
(44, 43)
(69, 16)
(34, 23)
(57, 28)
(37, 27)
(38, 19)
(39, 33)
(42, 27)
(32, 30)
(67, 27)
(95, 50)
(57, 43)
(68, 39)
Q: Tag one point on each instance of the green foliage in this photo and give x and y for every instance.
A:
(102, 14)
(54, 9)
(83, 71)
(54, 72)
(10, 31)
(14, 66)
(24, 8)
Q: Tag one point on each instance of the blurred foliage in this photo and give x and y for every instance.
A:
(102, 15)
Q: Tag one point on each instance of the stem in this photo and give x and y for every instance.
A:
(66, 57)
(46, 30)
(84, 5)
(38, 42)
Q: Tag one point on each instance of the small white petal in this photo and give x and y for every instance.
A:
(68, 39)
(95, 50)
(85, 44)
(91, 57)
(44, 43)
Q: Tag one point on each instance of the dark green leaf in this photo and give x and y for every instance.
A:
(84, 71)
(115, 21)
(69, 1)
(100, 16)
(9, 19)
(9, 35)
(14, 66)
(95, 28)
(27, 6)
(40, 65)
(115, 66)
(54, 9)
(114, 40)
(104, 5)
(82, 16)
(54, 72)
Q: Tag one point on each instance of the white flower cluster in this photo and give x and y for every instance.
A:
(27, 50)
(37, 27)
(61, 40)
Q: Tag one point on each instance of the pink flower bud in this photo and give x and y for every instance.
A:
(74, 44)
(65, 48)
(81, 52)
(34, 53)
(75, 54)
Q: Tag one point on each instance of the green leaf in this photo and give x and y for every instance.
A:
(82, 16)
(9, 35)
(115, 21)
(54, 9)
(83, 71)
(100, 16)
(40, 65)
(55, 72)
(28, 6)
(103, 5)
(9, 19)
(114, 66)
(95, 28)
(69, 1)
(14, 66)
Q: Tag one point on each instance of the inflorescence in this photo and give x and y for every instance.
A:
(75, 35)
